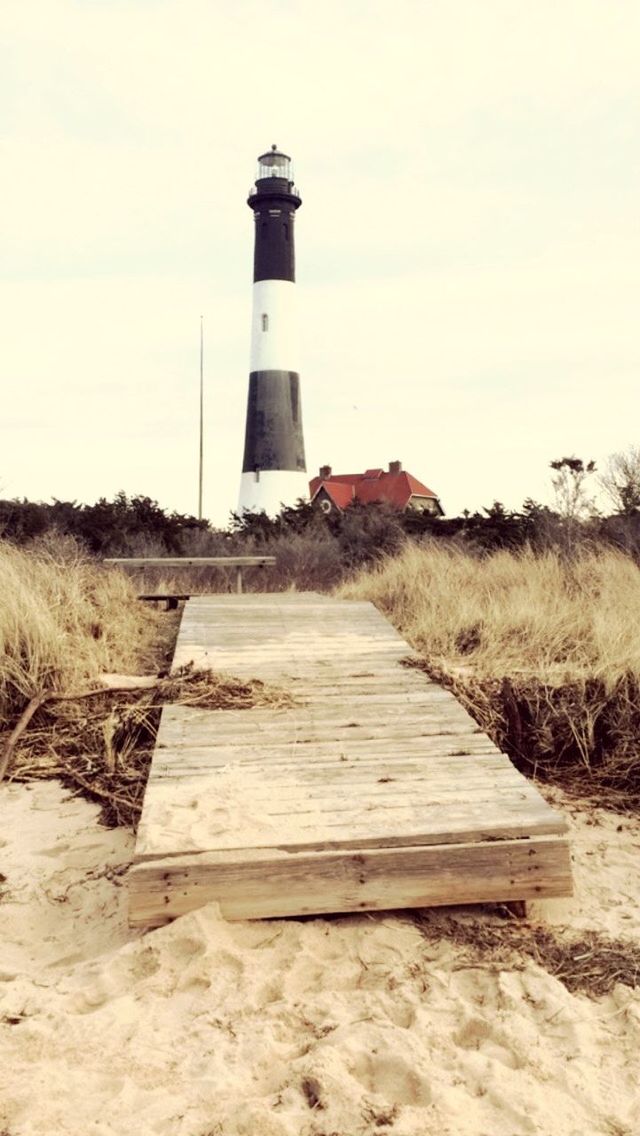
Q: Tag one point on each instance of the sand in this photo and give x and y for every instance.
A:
(323, 1027)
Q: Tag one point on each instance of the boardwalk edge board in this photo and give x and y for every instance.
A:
(376, 790)
(273, 883)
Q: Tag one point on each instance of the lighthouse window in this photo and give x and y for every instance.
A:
(286, 231)
(265, 322)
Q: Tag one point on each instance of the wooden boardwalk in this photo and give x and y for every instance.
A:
(376, 790)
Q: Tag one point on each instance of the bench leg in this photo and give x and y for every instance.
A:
(517, 908)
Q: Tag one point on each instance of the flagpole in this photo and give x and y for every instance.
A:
(201, 423)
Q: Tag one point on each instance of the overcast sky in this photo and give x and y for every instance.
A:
(468, 248)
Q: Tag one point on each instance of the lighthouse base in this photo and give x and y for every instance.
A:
(268, 490)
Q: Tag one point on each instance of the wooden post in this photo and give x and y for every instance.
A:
(239, 579)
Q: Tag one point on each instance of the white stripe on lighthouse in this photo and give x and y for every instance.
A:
(274, 340)
(270, 489)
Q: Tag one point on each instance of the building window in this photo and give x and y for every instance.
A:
(265, 321)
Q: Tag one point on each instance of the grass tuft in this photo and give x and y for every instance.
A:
(63, 621)
(557, 619)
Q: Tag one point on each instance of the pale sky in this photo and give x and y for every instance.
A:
(468, 248)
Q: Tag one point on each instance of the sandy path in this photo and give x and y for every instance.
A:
(326, 1027)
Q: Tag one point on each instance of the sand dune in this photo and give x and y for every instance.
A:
(326, 1027)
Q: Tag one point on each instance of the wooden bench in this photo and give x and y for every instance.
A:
(237, 562)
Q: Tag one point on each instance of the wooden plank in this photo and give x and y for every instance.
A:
(232, 811)
(271, 787)
(457, 759)
(334, 778)
(224, 825)
(448, 714)
(357, 780)
(188, 561)
(352, 777)
(271, 883)
(471, 754)
(265, 600)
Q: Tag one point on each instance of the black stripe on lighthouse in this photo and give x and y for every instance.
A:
(273, 436)
(274, 250)
(273, 467)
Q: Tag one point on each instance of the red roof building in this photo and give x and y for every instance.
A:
(402, 490)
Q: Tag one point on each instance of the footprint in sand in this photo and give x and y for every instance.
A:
(221, 971)
(122, 974)
(187, 948)
(391, 1077)
(54, 852)
(272, 991)
(402, 1014)
(479, 1034)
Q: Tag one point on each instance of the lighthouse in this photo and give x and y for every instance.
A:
(273, 468)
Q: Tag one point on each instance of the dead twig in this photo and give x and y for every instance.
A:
(18, 730)
(39, 700)
(113, 798)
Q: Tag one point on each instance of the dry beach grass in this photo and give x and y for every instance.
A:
(549, 616)
(64, 621)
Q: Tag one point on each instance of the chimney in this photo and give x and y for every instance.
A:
(325, 472)
(395, 467)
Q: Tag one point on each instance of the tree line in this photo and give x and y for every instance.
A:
(138, 525)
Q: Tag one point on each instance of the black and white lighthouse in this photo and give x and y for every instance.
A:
(273, 469)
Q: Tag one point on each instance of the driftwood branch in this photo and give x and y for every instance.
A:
(50, 696)
(18, 730)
